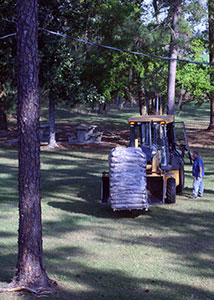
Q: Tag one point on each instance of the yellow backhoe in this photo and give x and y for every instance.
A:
(164, 143)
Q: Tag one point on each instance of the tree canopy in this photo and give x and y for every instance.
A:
(83, 73)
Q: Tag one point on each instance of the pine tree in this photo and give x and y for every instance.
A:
(211, 50)
(176, 13)
(30, 266)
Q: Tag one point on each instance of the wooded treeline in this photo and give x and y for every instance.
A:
(78, 73)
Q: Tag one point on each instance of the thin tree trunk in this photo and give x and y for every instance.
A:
(180, 100)
(176, 7)
(3, 114)
(3, 117)
(156, 9)
(141, 97)
(130, 90)
(52, 109)
(102, 108)
(119, 101)
(131, 98)
(211, 125)
(85, 46)
(211, 41)
(30, 266)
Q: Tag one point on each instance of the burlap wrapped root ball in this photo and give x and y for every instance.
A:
(127, 168)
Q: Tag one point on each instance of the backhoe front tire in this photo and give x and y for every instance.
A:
(171, 191)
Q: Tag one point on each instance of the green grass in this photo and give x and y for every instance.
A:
(166, 254)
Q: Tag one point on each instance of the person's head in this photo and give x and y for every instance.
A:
(195, 154)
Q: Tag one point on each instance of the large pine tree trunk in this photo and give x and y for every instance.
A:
(52, 109)
(176, 12)
(211, 41)
(30, 266)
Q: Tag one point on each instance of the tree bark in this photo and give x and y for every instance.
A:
(156, 9)
(52, 109)
(30, 266)
(211, 50)
(176, 9)
(102, 108)
(141, 97)
(3, 114)
(182, 94)
(130, 90)
(130, 97)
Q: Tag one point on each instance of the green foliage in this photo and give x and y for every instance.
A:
(62, 60)
(8, 53)
(78, 73)
(193, 78)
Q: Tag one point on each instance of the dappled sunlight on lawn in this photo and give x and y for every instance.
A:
(95, 254)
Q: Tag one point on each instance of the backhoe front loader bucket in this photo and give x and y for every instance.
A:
(156, 189)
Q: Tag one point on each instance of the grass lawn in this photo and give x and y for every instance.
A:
(165, 254)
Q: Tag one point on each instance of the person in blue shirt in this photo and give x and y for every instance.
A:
(198, 175)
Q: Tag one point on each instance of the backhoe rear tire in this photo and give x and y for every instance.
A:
(180, 187)
(171, 191)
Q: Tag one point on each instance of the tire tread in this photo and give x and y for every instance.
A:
(171, 191)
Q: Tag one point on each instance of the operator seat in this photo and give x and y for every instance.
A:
(150, 153)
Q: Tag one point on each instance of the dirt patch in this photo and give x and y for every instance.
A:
(200, 138)
(112, 136)
(10, 134)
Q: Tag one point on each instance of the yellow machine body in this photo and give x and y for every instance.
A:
(155, 135)
(157, 176)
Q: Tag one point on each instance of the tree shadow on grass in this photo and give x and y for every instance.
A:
(80, 207)
(91, 283)
(193, 237)
(7, 259)
(9, 174)
(113, 284)
(190, 237)
(188, 190)
(84, 282)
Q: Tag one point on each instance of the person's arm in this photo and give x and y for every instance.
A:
(200, 175)
(200, 164)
